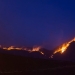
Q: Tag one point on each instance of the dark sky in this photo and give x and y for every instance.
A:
(36, 22)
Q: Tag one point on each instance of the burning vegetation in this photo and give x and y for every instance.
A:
(34, 49)
(63, 47)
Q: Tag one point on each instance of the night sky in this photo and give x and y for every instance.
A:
(47, 23)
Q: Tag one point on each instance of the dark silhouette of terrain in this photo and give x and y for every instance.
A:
(22, 62)
(69, 54)
(19, 65)
(35, 54)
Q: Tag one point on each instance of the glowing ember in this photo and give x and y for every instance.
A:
(42, 53)
(51, 56)
(12, 48)
(36, 49)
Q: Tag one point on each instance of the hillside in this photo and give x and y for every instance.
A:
(69, 54)
(19, 65)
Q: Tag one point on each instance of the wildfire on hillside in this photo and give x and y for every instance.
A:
(34, 49)
(62, 48)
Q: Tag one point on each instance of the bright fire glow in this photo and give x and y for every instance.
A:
(63, 47)
(34, 49)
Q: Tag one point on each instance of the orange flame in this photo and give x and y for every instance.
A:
(12, 48)
(63, 47)
(36, 48)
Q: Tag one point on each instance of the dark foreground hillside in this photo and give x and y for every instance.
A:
(69, 54)
(18, 65)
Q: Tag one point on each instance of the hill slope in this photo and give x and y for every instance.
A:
(69, 54)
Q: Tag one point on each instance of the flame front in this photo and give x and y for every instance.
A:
(34, 49)
(63, 47)
(12, 48)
